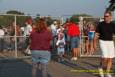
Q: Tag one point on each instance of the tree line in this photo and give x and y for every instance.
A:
(6, 20)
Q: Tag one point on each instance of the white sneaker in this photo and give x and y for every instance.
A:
(101, 72)
(74, 58)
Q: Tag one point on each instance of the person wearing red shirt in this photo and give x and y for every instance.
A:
(40, 47)
(74, 33)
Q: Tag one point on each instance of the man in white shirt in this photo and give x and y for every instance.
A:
(27, 31)
(54, 28)
(54, 32)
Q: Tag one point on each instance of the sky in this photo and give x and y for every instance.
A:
(55, 7)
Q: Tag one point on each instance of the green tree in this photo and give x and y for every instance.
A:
(20, 17)
(14, 12)
(75, 17)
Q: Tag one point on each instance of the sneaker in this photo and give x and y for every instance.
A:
(74, 58)
(101, 72)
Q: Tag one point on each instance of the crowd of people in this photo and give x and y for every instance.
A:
(8, 33)
(69, 33)
(42, 41)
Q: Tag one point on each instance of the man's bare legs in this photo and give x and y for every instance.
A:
(75, 53)
(106, 65)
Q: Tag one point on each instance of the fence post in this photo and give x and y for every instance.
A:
(15, 37)
(81, 29)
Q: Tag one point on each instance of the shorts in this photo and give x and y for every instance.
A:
(74, 42)
(60, 50)
(42, 56)
(107, 49)
(90, 35)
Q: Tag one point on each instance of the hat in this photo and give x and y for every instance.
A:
(74, 19)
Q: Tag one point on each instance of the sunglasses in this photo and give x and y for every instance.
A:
(107, 16)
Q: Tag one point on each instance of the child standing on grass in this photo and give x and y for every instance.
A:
(60, 44)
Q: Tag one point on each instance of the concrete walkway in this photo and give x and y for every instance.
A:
(22, 68)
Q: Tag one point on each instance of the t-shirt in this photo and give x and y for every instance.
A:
(73, 30)
(40, 41)
(105, 30)
(54, 30)
(61, 44)
(27, 30)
